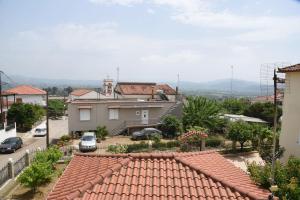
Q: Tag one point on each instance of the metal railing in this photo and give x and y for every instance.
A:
(4, 175)
(19, 165)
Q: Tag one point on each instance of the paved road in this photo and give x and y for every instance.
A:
(57, 128)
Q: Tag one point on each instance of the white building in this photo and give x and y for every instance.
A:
(290, 134)
(26, 94)
(84, 94)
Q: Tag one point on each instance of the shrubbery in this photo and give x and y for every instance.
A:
(101, 132)
(213, 141)
(42, 168)
(142, 146)
(287, 177)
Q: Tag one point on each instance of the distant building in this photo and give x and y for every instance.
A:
(144, 91)
(290, 134)
(26, 94)
(84, 94)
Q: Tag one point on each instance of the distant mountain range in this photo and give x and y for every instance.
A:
(214, 88)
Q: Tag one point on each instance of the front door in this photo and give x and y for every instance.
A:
(145, 116)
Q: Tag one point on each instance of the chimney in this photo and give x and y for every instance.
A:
(176, 90)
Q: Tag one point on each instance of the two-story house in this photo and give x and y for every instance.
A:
(141, 108)
(290, 135)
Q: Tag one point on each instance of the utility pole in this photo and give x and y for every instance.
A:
(118, 74)
(47, 118)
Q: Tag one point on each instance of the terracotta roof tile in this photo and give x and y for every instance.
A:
(127, 88)
(191, 134)
(200, 175)
(292, 68)
(25, 90)
(80, 92)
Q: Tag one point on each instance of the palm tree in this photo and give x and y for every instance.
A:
(200, 111)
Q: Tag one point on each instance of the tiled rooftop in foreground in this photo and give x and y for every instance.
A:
(197, 175)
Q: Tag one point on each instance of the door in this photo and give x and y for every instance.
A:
(145, 116)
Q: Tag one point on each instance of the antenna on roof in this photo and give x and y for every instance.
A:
(231, 81)
(177, 87)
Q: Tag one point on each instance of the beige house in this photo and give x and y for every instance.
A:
(118, 115)
(290, 135)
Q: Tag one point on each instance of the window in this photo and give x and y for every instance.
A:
(85, 114)
(113, 113)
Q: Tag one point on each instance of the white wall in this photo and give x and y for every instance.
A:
(90, 95)
(290, 134)
(31, 99)
(6, 134)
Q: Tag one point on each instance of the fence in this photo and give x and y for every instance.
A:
(4, 175)
(13, 169)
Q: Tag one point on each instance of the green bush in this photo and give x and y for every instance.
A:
(117, 149)
(171, 126)
(65, 138)
(101, 132)
(156, 138)
(51, 155)
(137, 147)
(213, 141)
(286, 177)
(36, 174)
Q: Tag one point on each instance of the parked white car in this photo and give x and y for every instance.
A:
(88, 142)
(40, 132)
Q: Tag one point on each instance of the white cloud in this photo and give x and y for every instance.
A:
(181, 58)
(117, 2)
(150, 11)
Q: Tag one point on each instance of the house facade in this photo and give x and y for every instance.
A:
(26, 94)
(290, 134)
(116, 115)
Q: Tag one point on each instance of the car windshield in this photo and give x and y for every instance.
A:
(87, 138)
(9, 141)
(40, 129)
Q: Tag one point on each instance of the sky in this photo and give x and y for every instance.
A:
(149, 40)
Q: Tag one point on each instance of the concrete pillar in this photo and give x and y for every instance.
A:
(11, 170)
(27, 157)
(202, 144)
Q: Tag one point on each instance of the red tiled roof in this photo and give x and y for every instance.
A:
(292, 68)
(80, 92)
(197, 175)
(127, 88)
(25, 90)
(190, 134)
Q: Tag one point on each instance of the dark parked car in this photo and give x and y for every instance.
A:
(146, 133)
(11, 144)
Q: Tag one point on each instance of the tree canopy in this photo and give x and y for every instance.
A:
(200, 111)
(263, 111)
(240, 131)
(25, 115)
(235, 106)
(56, 108)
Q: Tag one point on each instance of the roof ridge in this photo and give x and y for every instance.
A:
(99, 179)
(216, 178)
